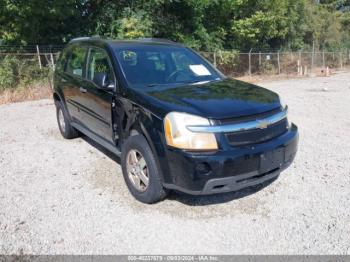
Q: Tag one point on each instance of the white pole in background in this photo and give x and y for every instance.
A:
(279, 62)
(250, 62)
(52, 62)
(215, 58)
(38, 53)
(313, 56)
(323, 60)
(341, 60)
(259, 58)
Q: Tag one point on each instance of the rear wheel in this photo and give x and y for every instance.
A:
(140, 171)
(63, 122)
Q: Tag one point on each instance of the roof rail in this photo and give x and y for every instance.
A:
(155, 40)
(84, 38)
(159, 40)
(79, 38)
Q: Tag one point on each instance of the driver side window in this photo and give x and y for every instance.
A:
(76, 61)
(99, 64)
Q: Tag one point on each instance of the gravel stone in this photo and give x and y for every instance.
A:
(68, 196)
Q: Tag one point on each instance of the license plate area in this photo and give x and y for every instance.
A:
(271, 160)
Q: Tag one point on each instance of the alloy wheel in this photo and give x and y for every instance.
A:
(61, 120)
(137, 170)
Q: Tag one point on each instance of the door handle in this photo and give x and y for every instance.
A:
(82, 89)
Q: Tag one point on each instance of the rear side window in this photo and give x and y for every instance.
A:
(76, 61)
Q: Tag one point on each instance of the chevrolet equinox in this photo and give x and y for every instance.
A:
(175, 121)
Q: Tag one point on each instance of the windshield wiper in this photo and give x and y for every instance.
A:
(196, 81)
(179, 83)
(192, 81)
(156, 84)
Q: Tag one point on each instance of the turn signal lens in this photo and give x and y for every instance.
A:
(177, 135)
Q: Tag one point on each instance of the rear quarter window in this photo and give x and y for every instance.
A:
(62, 60)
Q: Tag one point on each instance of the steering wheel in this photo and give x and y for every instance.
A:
(175, 74)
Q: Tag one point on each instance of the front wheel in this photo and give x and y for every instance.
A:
(140, 171)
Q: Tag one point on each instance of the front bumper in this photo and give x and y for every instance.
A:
(233, 169)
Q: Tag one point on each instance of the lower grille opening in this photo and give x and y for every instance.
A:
(257, 176)
(219, 186)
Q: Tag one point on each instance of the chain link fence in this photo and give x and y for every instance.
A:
(22, 65)
(295, 63)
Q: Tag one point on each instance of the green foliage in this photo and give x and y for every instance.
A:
(131, 25)
(15, 72)
(270, 21)
(268, 68)
(7, 78)
(328, 24)
(41, 21)
(206, 25)
(226, 61)
(202, 24)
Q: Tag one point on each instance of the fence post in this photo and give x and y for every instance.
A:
(300, 65)
(323, 59)
(52, 62)
(259, 58)
(312, 57)
(250, 62)
(341, 59)
(39, 58)
(279, 62)
(214, 58)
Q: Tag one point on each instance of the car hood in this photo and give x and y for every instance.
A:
(216, 100)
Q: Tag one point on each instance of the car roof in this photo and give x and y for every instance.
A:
(124, 43)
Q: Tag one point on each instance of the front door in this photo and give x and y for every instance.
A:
(96, 110)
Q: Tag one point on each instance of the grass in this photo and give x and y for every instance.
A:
(33, 92)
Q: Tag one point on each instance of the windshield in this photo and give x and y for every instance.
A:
(149, 65)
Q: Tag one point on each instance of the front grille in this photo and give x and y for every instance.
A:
(257, 136)
(241, 119)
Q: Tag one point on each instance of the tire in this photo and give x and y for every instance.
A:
(154, 191)
(64, 123)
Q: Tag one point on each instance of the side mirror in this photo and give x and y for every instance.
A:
(102, 81)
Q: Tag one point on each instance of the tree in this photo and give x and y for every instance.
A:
(201, 24)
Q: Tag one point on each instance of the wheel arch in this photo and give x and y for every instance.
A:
(147, 125)
(57, 97)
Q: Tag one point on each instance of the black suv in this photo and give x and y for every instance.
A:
(176, 122)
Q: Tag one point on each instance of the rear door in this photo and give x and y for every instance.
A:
(73, 78)
(97, 102)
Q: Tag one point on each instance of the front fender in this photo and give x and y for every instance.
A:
(151, 127)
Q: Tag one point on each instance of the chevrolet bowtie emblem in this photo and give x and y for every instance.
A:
(263, 124)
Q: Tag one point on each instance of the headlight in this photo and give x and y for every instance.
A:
(177, 135)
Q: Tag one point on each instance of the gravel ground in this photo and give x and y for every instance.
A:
(69, 197)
